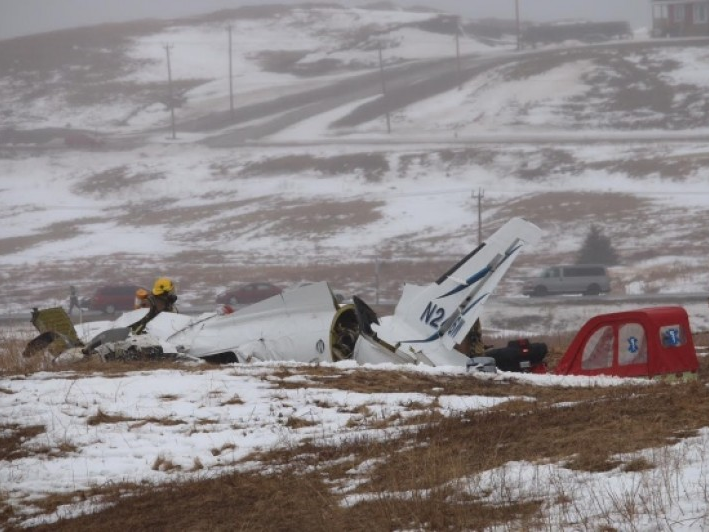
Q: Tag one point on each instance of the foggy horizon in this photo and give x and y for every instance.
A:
(39, 16)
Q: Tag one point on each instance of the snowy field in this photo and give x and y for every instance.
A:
(188, 423)
(593, 135)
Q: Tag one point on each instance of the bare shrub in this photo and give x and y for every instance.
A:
(223, 448)
(298, 422)
(163, 463)
(100, 417)
(197, 464)
(13, 438)
(234, 400)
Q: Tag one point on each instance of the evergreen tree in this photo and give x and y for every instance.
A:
(597, 249)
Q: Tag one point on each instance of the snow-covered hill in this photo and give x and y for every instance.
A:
(309, 184)
(114, 77)
(566, 137)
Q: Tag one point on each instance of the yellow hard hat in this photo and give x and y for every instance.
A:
(141, 298)
(163, 285)
(141, 293)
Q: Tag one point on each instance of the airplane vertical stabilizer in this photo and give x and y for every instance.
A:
(444, 311)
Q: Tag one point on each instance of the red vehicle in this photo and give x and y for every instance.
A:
(248, 293)
(79, 139)
(111, 298)
(648, 342)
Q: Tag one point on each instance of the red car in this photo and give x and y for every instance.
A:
(248, 293)
(111, 298)
(78, 139)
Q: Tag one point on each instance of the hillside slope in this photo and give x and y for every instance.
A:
(310, 185)
(564, 137)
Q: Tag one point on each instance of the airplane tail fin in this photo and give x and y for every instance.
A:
(447, 308)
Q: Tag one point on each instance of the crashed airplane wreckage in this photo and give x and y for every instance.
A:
(306, 324)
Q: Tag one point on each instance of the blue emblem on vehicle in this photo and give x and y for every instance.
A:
(672, 337)
(633, 346)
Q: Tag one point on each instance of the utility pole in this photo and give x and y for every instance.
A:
(384, 89)
(231, 77)
(479, 196)
(377, 270)
(169, 84)
(457, 53)
(517, 19)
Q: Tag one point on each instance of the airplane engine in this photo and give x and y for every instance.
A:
(343, 334)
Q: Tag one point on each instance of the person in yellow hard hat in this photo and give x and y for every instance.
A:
(161, 299)
(141, 298)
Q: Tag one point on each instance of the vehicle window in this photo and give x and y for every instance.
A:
(551, 272)
(679, 13)
(117, 290)
(598, 351)
(672, 336)
(632, 344)
(584, 271)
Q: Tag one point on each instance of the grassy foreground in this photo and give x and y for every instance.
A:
(428, 476)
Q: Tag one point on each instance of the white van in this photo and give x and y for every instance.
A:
(587, 279)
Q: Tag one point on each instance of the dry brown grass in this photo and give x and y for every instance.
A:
(13, 436)
(101, 418)
(586, 429)
(114, 180)
(239, 501)
(370, 165)
(14, 365)
(560, 207)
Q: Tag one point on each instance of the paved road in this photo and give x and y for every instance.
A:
(406, 84)
(607, 299)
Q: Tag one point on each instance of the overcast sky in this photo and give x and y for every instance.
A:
(21, 17)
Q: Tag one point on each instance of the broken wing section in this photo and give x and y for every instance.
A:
(57, 332)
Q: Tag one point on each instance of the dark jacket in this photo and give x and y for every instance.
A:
(157, 304)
